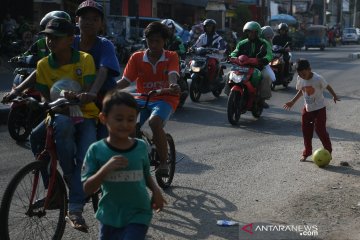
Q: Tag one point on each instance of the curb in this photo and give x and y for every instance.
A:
(354, 55)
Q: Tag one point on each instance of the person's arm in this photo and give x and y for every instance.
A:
(157, 200)
(288, 105)
(122, 83)
(93, 183)
(332, 92)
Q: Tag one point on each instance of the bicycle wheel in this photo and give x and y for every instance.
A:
(165, 182)
(20, 219)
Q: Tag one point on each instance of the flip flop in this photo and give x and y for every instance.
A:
(76, 221)
(303, 159)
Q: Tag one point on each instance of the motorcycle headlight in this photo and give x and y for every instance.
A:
(275, 62)
(194, 68)
(235, 77)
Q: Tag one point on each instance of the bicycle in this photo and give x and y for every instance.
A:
(34, 204)
(163, 182)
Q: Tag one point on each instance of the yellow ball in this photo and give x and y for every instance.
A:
(321, 157)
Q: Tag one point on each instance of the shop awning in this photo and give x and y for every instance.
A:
(197, 3)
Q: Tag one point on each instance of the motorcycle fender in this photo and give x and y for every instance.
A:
(238, 89)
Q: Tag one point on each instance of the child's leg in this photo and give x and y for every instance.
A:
(135, 231)
(307, 126)
(320, 129)
(129, 232)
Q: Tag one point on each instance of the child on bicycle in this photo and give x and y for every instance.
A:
(72, 139)
(119, 164)
(155, 68)
(90, 17)
(311, 85)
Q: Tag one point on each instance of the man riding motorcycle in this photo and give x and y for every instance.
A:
(250, 47)
(281, 40)
(210, 39)
(174, 43)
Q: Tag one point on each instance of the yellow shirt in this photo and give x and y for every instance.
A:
(81, 69)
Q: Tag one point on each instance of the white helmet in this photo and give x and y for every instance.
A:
(267, 32)
(63, 85)
(169, 23)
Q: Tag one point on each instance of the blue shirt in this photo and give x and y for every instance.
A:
(104, 55)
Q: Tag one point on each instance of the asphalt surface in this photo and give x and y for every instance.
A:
(251, 173)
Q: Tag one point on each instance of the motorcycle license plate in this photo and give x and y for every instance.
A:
(242, 69)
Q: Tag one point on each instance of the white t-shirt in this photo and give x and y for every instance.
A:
(312, 90)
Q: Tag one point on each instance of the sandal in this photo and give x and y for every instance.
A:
(303, 159)
(76, 221)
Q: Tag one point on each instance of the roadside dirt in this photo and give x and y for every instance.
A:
(333, 206)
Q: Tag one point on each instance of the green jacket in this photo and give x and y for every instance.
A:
(252, 48)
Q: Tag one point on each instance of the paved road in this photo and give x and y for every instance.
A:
(251, 173)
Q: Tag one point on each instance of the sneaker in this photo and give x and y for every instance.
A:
(76, 221)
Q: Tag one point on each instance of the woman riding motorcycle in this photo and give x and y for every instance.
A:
(250, 47)
(210, 39)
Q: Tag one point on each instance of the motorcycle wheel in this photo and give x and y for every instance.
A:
(217, 92)
(194, 91)
(257, 109)
(18, 127)
(233, 107)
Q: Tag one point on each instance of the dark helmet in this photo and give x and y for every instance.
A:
(90, 4)
(252, 26)
(51, 15)
(283, 26)
(209, 21)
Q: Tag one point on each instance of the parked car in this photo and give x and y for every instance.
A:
(124, 25)
(350, 35)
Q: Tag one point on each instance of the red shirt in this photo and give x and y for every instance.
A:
(151, 77)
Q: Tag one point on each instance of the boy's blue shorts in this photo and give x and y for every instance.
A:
(158, 108)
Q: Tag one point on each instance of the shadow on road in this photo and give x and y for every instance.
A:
(193, 215)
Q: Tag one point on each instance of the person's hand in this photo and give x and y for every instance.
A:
(10, 96)
(336, 99)
(69, 95)
(158, 201)
(86, 97)
(288, 105)
(175, 88)
(115, 162)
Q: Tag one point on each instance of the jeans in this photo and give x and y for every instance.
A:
(72, 141)
(131, 231)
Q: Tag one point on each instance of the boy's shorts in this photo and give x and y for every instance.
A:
(160, 108)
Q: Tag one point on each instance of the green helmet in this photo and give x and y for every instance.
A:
(252, 26)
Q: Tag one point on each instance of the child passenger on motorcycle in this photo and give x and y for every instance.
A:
(211, 39)
(174, 43)
(250, 47)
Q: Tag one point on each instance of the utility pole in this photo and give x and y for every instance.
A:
(291, 7)
(354, 18)
(324, 12)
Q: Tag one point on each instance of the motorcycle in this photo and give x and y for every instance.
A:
(283, 76)
(199, 73)
(243, 81)
(184, 87)
(24, 114)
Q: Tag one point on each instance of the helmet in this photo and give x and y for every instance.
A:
(209, 21)
(51, 15)
(267, 32)
(63, 85)
(283, 26)
(252, 26)
(169, 23)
